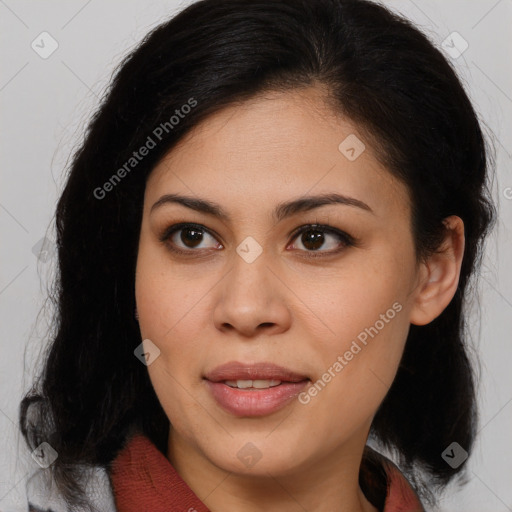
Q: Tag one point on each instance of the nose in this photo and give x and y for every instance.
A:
(252, 299)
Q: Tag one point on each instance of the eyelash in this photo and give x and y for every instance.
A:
(345, 238)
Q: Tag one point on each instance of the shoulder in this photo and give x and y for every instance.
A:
(385, 486)
(401, 497)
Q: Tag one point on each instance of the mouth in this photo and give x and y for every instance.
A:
(258, 389)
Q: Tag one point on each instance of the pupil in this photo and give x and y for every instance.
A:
(195, 235)
(315, 239)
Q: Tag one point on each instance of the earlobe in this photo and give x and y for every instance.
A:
(440, 275)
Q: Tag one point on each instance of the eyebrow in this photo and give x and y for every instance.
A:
(281, 211)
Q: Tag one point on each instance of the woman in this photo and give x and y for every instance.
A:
(265, 243)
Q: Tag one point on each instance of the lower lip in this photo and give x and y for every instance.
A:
(257, 402)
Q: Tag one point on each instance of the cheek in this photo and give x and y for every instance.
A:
(343, 303)
(365, 310)
(171, 306)
(169, 317)
(167, 305)
(164, 297)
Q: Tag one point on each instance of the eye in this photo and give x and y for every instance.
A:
(314, 236)
(185, 238)
(190, 236)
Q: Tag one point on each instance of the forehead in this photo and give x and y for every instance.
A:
(275, 146)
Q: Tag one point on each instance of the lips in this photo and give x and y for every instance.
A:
(235, 371)
(253, 390)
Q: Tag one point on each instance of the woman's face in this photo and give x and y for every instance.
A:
(245, 288)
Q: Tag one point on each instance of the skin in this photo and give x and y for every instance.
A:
(211, 306)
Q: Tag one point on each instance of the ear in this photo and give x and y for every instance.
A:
(439, 275)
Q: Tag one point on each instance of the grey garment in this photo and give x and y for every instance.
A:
(43, 495)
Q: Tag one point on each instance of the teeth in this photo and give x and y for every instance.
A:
(254, 384)
(243, 384)
(262, 384)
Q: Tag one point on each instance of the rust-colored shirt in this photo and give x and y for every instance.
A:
(144, 480)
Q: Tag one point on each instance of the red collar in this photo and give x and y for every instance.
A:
(144, 480)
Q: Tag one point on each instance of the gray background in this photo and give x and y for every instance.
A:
(45, 104)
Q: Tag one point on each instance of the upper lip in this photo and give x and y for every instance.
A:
(235, 370)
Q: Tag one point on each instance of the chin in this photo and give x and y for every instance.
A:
(259, 457)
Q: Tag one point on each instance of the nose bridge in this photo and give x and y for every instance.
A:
(249, 276)
(250, 295)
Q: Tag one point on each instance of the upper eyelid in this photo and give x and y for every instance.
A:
(170, 230)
